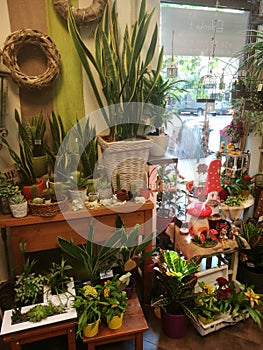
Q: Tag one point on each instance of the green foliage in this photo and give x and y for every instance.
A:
(41, 312)
(36, 128)
(233, 201)
(177, 281)
(131, 253)
(23, 159)
(17, 199)
(254, 237)
(94, 262)
(120, 67)
(58, 278)
(7, 187)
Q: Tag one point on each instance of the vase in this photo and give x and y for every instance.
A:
(130, 288)
(91, 329)
(174, 326)
(116, 322)
(26, 190)
(19, 210)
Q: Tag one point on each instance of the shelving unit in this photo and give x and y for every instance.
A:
(233, 163)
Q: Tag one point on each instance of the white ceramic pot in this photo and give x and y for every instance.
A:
(19, 210)
(160, 144)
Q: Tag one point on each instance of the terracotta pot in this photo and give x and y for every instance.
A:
(121, 195)
(26, 190)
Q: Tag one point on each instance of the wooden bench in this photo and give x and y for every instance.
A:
(134, 324)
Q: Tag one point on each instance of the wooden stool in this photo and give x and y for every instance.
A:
(134, 324)
(17, 339)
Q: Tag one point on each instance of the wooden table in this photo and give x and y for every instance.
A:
(40, 233)
(17, 339)
(134, 324)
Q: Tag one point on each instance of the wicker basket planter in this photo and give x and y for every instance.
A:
(48, 209)
(127, 158)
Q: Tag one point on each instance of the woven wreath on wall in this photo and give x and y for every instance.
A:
(15, 43)
(82, 16)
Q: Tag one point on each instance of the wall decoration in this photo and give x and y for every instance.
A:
(82, 16)
(13, 46)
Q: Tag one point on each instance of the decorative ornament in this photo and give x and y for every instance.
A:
(82, 16)
(17, 41)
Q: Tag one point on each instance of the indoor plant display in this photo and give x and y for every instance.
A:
(24, 160)
(176, 290)
(229, 298)
(18, 205)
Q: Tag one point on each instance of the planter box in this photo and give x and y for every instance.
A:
(65, 298)
(8, 327)
(204, 329)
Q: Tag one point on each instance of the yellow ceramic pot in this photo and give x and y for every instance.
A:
(115, 322)
(91, 329)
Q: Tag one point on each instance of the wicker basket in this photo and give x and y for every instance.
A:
(127, 158)
(48, 209)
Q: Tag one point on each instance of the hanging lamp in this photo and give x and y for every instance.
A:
(172, 69)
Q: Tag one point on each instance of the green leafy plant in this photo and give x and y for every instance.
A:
(58, 278)
(131, 253)
(254, 236)
(177, 281)
(36, 128)
(23, 159)
(120, 68)
(233, 201)
(94, 262)
(7, 187)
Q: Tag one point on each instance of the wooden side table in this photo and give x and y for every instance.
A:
(134, 324)
(17, 339)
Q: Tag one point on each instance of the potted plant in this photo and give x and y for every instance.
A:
(18, 205)
(113, 302)
(122, 85)
(87, 304)
(250, 266)
(93, 261)
(177, 279)
(7, 190)
(156, 110)
(24, 160)
(131, 254)
(226, 301)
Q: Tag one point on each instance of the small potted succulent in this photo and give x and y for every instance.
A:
(18, 205)
(7, 190)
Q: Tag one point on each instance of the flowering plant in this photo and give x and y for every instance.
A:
(232, 297)
(86, 302)
(113, 299)
(245, 182)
